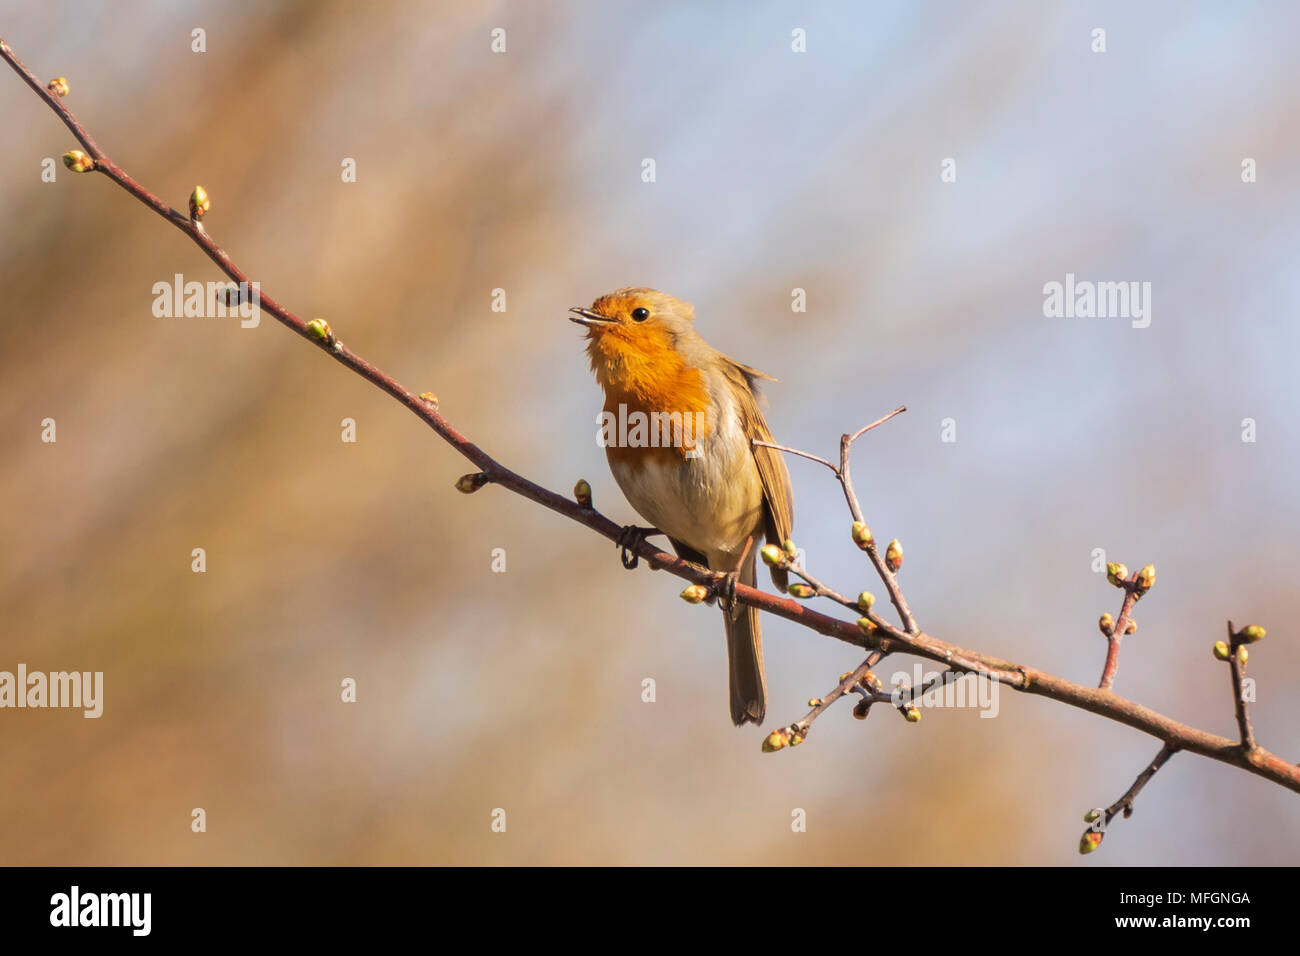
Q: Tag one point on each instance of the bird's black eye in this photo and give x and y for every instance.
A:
(640, 315)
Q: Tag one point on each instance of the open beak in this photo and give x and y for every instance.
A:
(589, 317)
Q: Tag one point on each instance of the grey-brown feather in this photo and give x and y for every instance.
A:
(778, 499)
(744, 639)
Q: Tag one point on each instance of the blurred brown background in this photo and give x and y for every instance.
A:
(521, 171)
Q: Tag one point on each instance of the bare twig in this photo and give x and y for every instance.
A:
(841, 472)
(882, 638)
(1092, 837)
(1237, 657)
(1117, 633)
(857, 679)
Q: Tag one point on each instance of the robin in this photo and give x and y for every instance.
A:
(687, 463)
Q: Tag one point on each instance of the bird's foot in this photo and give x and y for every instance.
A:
(724, 589)
(725, 583)
(632, 536)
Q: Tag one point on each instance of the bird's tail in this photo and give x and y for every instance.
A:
(745, 654)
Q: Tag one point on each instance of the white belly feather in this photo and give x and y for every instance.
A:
(712, 503)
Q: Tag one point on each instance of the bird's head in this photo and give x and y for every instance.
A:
(636, 333)
(636, 316)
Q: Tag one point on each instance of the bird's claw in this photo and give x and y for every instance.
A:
(632, 536)
(724, 588)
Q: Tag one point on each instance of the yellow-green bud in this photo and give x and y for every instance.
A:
(77, 161)
(429, 397)
(894, 555)
(582, 493)
(1106, 624)
(862, 535)
(796, 739)
(776, 740)
(1090, 840)
(866, 600)
(772, 555)
(1130, 626)
(199, 203)
(1221, 650)
(320, 329)
(1243, 655)
(1116, 574)
(1146, 577)
(789, 548)
(1249, 635)
(801, 590)
(58, 86)
(866, 626)
(913, 715)
(694, 593)
(468, 484)
(814, 701)
(1092, 815)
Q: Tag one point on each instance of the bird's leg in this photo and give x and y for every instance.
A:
(725, 588)
(632, 536)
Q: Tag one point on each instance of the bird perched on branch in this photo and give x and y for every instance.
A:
(683, 455)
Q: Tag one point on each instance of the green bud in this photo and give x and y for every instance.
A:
(694, 593)
(862, 535)
(199, 203)
(894, 555)
(468, 484)
(77, 161)
(320, 329)
(582, 493)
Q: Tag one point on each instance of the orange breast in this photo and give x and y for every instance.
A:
(646, 382)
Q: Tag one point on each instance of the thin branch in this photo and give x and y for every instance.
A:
(1092, 837)
(877, 423)
(817, 458)
(860, 678)
(884, 638)
(1237, 665)
(841, 472)
(913, 694)
(1125, 803)
(873, 552)
(795, 451)
(1118, 630)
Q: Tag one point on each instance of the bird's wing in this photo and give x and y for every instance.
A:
(777, 495)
